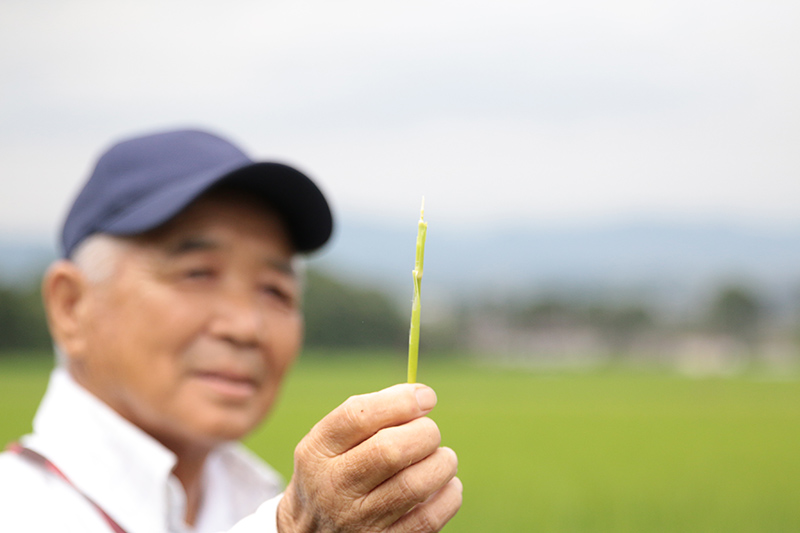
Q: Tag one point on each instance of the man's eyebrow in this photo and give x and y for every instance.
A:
(191, 244)
(200, 244)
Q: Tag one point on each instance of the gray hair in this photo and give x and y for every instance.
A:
(97, 256)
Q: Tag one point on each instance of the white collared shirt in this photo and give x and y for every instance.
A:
(125, 472)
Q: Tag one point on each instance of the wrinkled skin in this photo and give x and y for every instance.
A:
(373, 465)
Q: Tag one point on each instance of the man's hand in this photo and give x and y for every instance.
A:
(373, 465)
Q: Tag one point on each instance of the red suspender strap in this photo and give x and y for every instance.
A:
(45, 463)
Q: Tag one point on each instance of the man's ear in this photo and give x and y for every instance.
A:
(65, 291)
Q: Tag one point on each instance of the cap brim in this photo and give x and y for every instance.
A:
(296, 198)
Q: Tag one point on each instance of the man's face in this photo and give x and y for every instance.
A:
(191, 335)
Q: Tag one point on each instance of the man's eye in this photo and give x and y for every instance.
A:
(198, 273)
(279, 293)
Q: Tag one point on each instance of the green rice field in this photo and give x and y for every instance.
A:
(614, 450)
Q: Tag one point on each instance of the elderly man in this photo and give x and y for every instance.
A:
(176, 314)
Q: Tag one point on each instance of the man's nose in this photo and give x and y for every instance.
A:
(237, 318)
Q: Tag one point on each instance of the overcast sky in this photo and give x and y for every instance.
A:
(497, 111)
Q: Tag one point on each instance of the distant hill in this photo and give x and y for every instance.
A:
(664, 260)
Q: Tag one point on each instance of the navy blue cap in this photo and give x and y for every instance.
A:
(141, 183)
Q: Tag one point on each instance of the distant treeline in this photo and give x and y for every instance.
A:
(734, 311)
(22, 321)
(342, 314)
(338, 315)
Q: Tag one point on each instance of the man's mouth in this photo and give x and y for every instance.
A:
(229, 385)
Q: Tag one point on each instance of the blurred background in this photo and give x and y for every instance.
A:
(613, 197)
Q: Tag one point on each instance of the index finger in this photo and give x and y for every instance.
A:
(361, 417)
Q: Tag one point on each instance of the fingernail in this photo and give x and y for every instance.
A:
(426, 398)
